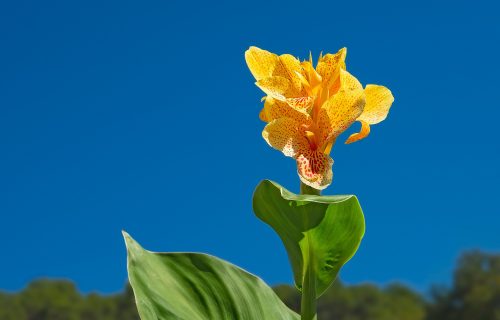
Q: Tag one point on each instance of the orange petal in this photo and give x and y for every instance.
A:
(315, 169)
(342, 109)
(363, 133)
(286, 135)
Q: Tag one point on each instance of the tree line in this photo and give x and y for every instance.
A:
(474, 294)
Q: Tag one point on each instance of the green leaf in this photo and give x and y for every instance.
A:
(196, 286)
(320, 233)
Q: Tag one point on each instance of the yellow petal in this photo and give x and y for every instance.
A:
(328, 146)
(263, 115)
(291, 69)
(342, 109)
(264, 64)
(378, 102)
(363, 133)
(260, 62)
(275, 109)
(276, 87)
(315, 169)
(286, 135)
(329, 67)
(314, 77)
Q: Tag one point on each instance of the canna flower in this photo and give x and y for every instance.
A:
(307, 108)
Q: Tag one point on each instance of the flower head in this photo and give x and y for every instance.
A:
(308, 107)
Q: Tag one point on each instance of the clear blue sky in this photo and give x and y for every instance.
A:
(143, 116)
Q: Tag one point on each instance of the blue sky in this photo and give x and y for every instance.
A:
(143, 116)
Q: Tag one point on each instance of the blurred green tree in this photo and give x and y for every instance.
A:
(60, 300)
(475, 293)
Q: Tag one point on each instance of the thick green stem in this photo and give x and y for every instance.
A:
(308, 300)
(305, 189)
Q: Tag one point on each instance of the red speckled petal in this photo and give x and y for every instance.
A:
(315, 169)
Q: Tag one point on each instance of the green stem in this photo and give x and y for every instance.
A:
(305, 189)
(308, 300)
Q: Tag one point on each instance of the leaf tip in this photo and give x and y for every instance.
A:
(131, 245)
(126, 237)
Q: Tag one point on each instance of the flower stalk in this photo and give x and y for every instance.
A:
(308, 297)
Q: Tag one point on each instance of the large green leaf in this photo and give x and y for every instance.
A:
(320, 233)
(195, 286)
